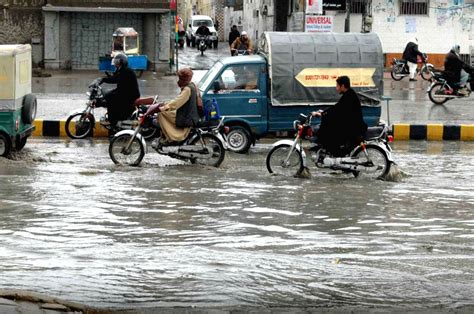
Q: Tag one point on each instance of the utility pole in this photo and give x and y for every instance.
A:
(347, 22)
(173, 8)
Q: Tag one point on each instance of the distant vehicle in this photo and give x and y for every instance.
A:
(126, 40)
(194, 23)
(17, 104)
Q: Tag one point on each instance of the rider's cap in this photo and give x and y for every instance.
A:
(456, 48)
(244, 33)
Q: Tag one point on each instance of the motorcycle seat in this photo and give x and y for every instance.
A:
(374, 132)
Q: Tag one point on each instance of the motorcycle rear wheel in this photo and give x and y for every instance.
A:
(79, 125)
(131, 157)
(218, 151)
(276, 161)
(378, 157)
(437, 89)
(397, 69)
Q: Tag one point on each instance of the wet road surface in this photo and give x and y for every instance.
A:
(171, 234)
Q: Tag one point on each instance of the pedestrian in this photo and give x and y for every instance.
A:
(410, 55)
(233, 34)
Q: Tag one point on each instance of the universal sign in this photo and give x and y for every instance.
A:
(319, 23)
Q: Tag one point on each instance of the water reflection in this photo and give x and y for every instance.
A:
(76, 226)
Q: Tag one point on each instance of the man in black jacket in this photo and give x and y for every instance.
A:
(234, 34)
(456, 70)
(120, 101)
(410, 56)
(342, 125)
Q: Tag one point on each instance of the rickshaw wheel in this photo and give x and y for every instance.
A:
(138, 73)
(5, 145)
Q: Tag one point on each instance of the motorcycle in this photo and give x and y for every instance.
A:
(80, 123)
(371, 158)
(440, 90)
(202, 146)
(203, 43)
(400, 69)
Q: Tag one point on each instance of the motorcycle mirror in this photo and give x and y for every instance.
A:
(216, 86)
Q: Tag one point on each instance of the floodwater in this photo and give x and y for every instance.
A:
(168, 233)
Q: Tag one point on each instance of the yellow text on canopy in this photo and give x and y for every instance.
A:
(326, 77)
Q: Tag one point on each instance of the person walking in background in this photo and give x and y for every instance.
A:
(233, 34)
(410, 56)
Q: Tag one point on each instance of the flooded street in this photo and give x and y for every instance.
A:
(78, 227)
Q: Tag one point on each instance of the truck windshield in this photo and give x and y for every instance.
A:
(209, 76)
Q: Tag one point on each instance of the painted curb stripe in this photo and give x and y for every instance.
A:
(433, 132)
(58, 128)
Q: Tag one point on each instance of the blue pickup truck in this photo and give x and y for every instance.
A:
(292, 73)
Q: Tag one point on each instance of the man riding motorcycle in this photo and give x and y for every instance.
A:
(456, 70)
(120, 100)
(203, 31)
(242, 43)
(342, 125)
(176, 116)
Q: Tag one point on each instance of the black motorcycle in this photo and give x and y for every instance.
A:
(202, 146)
(400, 69)
(371, 158)
(442, 89)
(80, 123)
(202, 43)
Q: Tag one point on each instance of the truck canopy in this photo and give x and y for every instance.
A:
(303, 67)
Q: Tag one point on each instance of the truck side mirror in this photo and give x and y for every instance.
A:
(216, 86)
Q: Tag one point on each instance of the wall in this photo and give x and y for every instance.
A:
(21, 22)
(254, 21)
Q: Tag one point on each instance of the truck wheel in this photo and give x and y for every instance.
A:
(239, 139)
(28, 111)
(193, 42)
(215, 44)
(5, 145)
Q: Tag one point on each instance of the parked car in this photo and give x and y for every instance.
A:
(17, 104)
(194, 23)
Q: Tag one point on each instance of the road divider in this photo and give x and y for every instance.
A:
(433, 132)
(401, 131)
(58, 128)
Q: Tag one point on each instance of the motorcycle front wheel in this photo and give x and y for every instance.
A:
(436, 94)
(397, 70)
(214, 146)
(426, 71)
(381, 164)
(279, 163)
(79, 125)
(119, 153)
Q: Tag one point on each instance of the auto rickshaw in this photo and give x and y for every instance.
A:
(17, 104)
(126, 40)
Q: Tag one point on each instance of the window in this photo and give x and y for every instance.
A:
(414, 7)
(197, 23)
(239, 78)
(357, 7)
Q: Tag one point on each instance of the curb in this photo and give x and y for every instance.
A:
(401, 131)
(58, 128)
(433, 132)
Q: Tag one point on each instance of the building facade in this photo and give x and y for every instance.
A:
(437, 24)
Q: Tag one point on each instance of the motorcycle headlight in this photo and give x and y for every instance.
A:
(296, 123)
